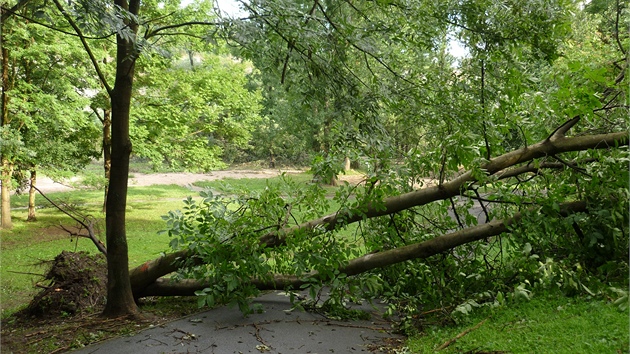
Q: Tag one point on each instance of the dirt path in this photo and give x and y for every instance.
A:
(186, 179)
(180, 178)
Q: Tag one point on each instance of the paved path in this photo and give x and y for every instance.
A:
(276, 329)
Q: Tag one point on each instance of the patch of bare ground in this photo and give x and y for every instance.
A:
(169, 178)
(47, 185)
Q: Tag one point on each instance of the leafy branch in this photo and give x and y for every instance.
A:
(88, 50)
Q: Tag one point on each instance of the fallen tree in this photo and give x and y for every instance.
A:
(188, 287)
(146, 279)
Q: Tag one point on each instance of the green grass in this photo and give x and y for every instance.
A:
(547, 323)
(230, 184)
(28, 244)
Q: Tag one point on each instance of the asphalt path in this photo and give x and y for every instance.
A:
(276, 329)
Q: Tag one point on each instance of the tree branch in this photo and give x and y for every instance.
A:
(437, 245)
(618, 11)
(483, 207)
(373, 56)
(465, 332)
(454, 187)
(513, 172)
(99, 245)
(157, 31)
(292, 43)
(53, 28)
(146, 274)
(459, 222)
(6, 13)
(571, 166)
(560, 132)
(76, 28)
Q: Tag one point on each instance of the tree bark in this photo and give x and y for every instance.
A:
(147, 273)
(421, 250)
(7, 171)
(120, 299)
(272, 159)
(107, 152)
(31, 196)
(7, 167)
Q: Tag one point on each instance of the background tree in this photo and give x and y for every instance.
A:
(123, 19)
(194, 114)
(331, 93)
(50, 132)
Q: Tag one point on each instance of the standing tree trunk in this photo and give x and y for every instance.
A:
(7, 171)
(107, 151)
(272, 158)
(120, 299)
(7, 167)
(31, 196)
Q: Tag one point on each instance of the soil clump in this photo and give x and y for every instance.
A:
(76, 282)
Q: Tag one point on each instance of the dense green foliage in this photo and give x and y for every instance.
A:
(48, 128)
(374, 81)
(194, 117)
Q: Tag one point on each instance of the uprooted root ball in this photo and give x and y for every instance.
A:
(76, 282)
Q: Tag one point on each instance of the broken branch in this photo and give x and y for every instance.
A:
(99, 245)
(453, 340)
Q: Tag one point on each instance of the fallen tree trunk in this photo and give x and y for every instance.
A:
(440, 244)
(149, 272)
(557, 143)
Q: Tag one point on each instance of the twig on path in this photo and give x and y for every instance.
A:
(441, 309)
(59, 350)
(453, 340)
(258, 337)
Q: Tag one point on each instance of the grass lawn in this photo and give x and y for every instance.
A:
(238, 184)
(28, 244)
(548, 323)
